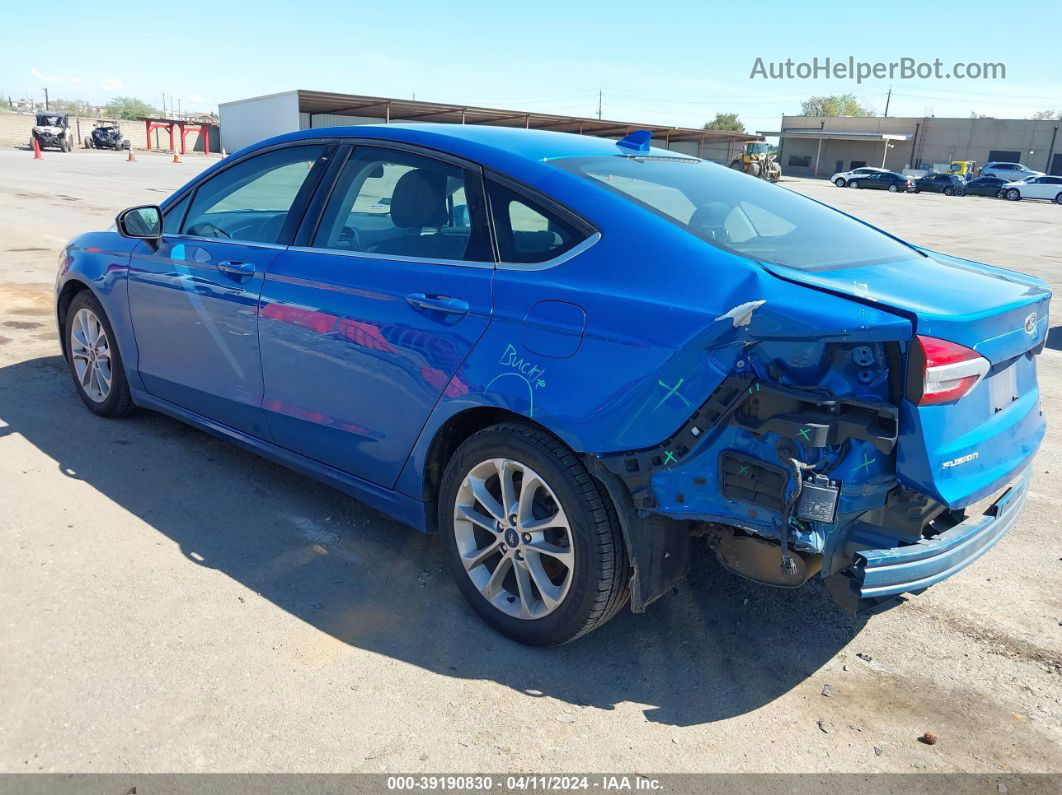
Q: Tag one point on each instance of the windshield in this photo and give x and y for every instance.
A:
(47, 121)
(759, 149)
(741, 214)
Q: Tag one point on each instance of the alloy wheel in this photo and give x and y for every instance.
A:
(90, 351)
(514, 538)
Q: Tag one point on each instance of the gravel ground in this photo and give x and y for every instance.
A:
(171, 603)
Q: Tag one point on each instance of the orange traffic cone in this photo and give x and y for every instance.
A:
(37, 150)
(176, 156)
(132, 157)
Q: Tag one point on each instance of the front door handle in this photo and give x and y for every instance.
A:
(438, 303)
(234, 268)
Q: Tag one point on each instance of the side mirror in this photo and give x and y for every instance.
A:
(141, 223)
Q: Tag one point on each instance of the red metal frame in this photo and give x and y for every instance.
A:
(200, 128)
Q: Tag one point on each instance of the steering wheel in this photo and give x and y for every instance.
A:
(350, 238)
(207, 229)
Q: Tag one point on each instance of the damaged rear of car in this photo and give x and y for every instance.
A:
(859, 410)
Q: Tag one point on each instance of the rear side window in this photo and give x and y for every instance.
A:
(748, 216)
(527, 231)
(250, 201)
(393, 203)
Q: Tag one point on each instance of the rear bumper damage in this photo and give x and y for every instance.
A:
(880, 574)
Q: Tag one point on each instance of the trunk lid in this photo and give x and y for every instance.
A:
(962, 451)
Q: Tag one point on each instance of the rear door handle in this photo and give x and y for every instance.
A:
(438, 303)
(234, 268)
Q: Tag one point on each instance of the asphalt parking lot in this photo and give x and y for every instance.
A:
(171, 603)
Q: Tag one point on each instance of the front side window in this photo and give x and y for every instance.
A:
(527, 231)
(750, 217)
(400, 204)
(250, 201)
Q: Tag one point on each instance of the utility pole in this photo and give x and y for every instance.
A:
(599, 104)
(46, 99)
(164, 104)
(888, 99)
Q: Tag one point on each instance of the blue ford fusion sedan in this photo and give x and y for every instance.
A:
(569, 355)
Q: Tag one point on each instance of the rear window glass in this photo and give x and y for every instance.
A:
(735, 212)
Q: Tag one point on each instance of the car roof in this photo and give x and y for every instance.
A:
(479, 142)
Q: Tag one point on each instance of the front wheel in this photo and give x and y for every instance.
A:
(839, 182)
(94, 360)
(531, 540)
(1013, 195)
(948, 191)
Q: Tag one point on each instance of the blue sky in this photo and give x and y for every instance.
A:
(665, 62)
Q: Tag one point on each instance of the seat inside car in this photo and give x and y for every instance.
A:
(418, 203)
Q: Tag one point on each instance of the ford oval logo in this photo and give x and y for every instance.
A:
(1030, 324)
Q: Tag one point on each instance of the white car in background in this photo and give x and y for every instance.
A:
(1009, 171)
(1042, 187)
(841, 178)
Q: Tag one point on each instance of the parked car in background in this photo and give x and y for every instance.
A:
(570, 357)
(883, 180)
(1011, 172)
(52, 129)
(948, 184)
(1046, 187)
(841, 178)
(985, 186)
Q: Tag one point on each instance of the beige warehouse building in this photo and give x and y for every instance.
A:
(821, 146)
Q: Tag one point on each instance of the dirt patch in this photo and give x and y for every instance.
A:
(20, 324)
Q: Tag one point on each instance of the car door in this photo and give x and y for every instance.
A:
(1045, 187)
(193, 296)
(873, 181)
(365, 321)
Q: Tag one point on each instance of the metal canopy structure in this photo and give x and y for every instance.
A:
(388, 109)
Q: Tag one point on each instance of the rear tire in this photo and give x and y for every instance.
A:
(893, 189)
(584, 569)
(1058, 199)
(960, 192)
(90, 342)
(854, 184)
(948, 191)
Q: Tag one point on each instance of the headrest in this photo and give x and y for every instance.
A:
(419, 199)
(710, 216)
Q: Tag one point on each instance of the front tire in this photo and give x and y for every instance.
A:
(1013, 195)
(1058, 199)
(839, 182)
(93, 358)
(531, 540)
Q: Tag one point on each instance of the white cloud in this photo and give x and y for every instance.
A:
(74, 81)
(113, 84)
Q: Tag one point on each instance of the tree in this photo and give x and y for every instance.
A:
(1048, 114)
(128, 108)
(75, 107)
(728, 122)
(836, 105)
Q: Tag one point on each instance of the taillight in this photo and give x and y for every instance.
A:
(949, 371)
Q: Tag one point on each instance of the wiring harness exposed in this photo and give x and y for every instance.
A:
(799, 468)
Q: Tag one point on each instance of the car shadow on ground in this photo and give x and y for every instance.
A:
(718, 647)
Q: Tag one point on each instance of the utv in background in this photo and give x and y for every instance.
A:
(52, 129)
(107, 135)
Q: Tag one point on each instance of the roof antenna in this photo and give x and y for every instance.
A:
(637, 141)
